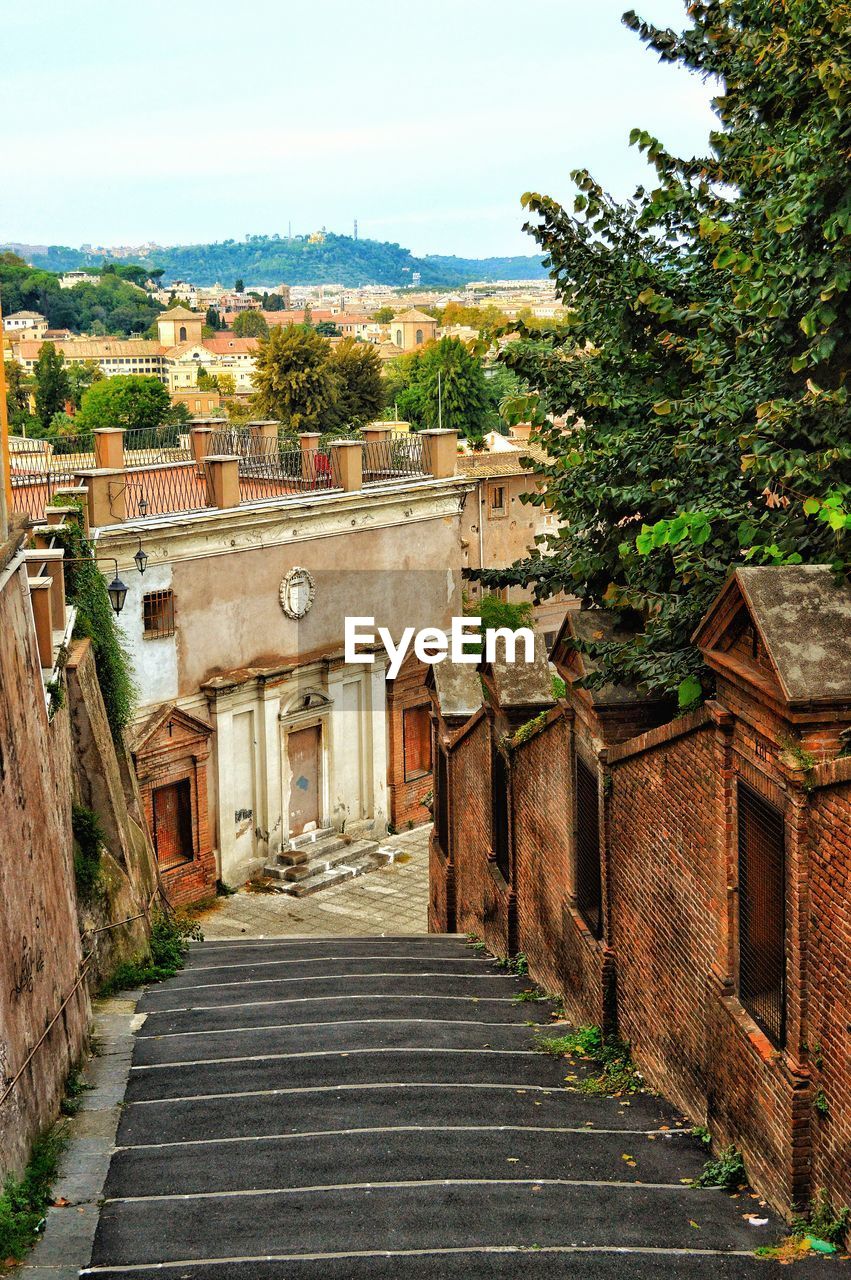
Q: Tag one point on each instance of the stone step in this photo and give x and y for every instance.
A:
(337, 853)
(362, 856)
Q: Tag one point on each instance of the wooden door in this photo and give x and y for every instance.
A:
(303, 749)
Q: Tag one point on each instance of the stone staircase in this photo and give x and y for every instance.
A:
(322, 859)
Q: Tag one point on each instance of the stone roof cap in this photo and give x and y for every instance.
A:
(180, 313)
(804, 620)
(523, 684)
(458, 688)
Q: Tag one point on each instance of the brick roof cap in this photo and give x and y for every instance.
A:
(458, 688)
(522, 684)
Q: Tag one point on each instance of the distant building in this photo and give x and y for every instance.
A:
(412, 329)
(33, 323)
(112, 355)
(179, 325)
(71, 278)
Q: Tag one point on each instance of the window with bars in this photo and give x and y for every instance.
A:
(497, 500)
(416, 741)
(762, 912)
(441, 801)
(589, 878)
(158, 614)
(173, 839)
(499, 812)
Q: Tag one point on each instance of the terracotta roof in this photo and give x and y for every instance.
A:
(180, 313)
(413, 316)
(95, 348)
(25, 315)
(223, 344)
(504, 463)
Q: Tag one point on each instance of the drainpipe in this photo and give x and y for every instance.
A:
(481, 533)
(5, 466)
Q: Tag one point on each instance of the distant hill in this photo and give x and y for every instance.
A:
(272, 260)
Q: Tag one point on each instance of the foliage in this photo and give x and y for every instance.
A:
(24, 1201)
(454, 389)
(359, 386)
(528, 994)
(702, 370)
(80, 377)
(336, 260)
(528, 730)
(128, 401)
(86, 589)
(726, 1171)
(88, 842)
(292, 378)
(214, 319)
(52, 387)
(327, 329)
(17, 398)
(114, 304)
(558, 687)
(823, 1221)
(820, 1103)
(617, 1075)
(170, 935)
(383, 315)
(250, 324)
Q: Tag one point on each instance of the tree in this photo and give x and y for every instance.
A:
(383, 315)
(359, 398)
(250, 324)
(52, 388)
(292, 378)
(214, 319)
(226, 383)
(703, 367)
(454, 389)
(17, 394)
(327, 329)
(207, 381)
(127, 401)
(239, 285)
(80, 377)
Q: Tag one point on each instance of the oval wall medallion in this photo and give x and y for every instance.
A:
(297, 592)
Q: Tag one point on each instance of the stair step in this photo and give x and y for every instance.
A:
(292, 858)
(343, 852)
(363, 857)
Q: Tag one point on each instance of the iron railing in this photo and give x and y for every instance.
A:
(147, 446)
(762, 912)
(589, 879)
(60, 456)
(283, 473)
(399, 456)
(170, 489)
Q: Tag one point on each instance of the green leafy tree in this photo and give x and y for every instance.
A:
(327, 329)
(127, 401)
(383, 315)
(250, 324)
(80, 377)
(702, 368)
(454, 392)
(52, 388)
(360, 392)
(239, 285)
(214, 319)
(292, 378)
(207, 381)
(17, 395)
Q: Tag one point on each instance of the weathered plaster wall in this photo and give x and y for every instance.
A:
(40, 951)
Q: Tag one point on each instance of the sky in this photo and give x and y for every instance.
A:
(183, 121)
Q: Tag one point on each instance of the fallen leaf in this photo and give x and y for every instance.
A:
(694, 1224)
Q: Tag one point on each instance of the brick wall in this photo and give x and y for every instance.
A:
(829, 974)
(664, 973)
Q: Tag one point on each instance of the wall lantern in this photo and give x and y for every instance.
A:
(117, 594)
(141, 559)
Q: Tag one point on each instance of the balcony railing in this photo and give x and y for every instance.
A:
(280, 473)
(394, 458)
(148, 446)
(170, 489)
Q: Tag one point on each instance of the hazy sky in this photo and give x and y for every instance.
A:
(191, 120)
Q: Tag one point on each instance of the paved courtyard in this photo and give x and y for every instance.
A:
(392, 900)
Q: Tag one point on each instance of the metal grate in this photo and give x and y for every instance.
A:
(173, 838)
(762, 912)
(441, 797)
(589, 879)
(158, 614)
(276, 473)
(392, 459)
(499, 812)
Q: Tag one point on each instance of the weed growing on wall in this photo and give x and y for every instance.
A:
(86, 589)
(170, 936)
(24, 1200)
(88, 841)
(726, 1171)
(617, 1075)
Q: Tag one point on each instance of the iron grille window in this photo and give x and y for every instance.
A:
(589, 880)
(499, 811)
(416, 736)
(762, 913)
(158, 614)
(173, 839)
(442, 801)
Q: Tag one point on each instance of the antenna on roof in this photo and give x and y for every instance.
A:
(356, 228)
